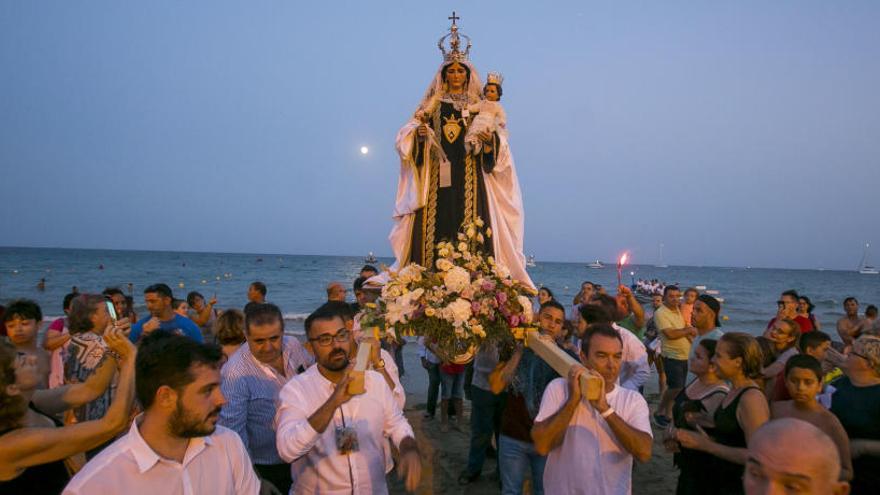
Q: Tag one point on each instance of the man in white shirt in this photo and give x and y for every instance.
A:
(591, 444)
(252, 378)
(174, 447)
(634, 369)
(334, 439)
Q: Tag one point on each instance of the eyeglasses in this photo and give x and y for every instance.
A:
(326, 339)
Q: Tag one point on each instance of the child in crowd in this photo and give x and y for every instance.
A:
(818, 345)
(23, 319)
(490, 114)
(803, 379)
(783, 335)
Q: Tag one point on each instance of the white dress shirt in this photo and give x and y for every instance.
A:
(215, 464)
(317, 466)
(634, 369)
(590, 459)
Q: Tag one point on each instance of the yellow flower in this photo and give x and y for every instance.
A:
(430, 312)
(479, 222)
(480, 238)
(471, 232)
(463, 247)
(490, 260)
(489, 232)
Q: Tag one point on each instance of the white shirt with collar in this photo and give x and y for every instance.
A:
(590, 460)
(215, 464)
(634, 369)
(317, 466)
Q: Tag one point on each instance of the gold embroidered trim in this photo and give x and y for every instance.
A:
(470, 186)
(429, 213)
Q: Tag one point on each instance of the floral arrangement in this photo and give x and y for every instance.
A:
(465, 300)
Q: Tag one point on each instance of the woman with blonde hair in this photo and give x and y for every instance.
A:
(738, 359)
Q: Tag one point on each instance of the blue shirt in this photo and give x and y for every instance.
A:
(178, 324)
(251, 389)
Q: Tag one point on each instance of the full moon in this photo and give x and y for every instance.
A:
(364, 150)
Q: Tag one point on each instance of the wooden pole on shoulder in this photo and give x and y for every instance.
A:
(561, 362)
(357, 385)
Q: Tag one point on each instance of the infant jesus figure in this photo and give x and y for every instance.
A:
(490, 114)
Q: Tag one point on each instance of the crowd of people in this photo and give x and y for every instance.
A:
(194, 399)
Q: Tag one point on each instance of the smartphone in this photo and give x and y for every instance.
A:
(111, 309)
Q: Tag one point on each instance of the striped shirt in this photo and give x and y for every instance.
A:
(251, 390)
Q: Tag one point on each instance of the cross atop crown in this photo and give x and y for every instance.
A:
(450, 43)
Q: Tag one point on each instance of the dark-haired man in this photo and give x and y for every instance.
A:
(252, 378)
(160, 304)
(524, 375)
(852, 325)
(675, 346)
(256, 294)
(634, 370)
(591, 443)
(175, 445)
(333, 438)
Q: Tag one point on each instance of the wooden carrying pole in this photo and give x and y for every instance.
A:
(357, 386)
(561, 362)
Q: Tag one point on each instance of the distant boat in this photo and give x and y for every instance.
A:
(596, 265)
(864, 267)
(370, 258)
(660, 262)
(530, 261)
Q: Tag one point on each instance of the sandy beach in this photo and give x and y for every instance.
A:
(445, 454)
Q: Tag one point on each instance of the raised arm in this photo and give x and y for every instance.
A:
(503, 373)
(552, 421)
(27, 447)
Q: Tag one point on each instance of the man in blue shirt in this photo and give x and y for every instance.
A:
(158, 298)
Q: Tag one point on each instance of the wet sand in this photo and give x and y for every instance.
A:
(445, 454)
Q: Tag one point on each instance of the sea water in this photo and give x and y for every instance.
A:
(296, 283)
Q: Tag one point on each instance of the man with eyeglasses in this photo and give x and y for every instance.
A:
(334, 439)
(252, 378)
(787, 310)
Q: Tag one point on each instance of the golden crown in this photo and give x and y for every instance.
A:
(494, 78)
(452, 52)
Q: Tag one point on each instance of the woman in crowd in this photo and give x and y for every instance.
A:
(33, 444)
(805, 308)
(784, 335)
(856, 403)
(744, 409)
(229, 329)
(696, 405)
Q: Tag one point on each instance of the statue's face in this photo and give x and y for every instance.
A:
(491, 92)
(456, 76)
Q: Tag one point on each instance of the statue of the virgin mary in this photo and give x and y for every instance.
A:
(444, 183)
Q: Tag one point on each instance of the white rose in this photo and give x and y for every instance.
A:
(501, 271)
(444, 265)
(526, 304)
(461, 310)
(462, 246)
(456, 279)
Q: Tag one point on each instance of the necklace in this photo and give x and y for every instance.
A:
(458, 100)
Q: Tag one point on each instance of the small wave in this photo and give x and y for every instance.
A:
(296, 316)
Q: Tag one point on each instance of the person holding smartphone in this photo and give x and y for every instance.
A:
(88, 355)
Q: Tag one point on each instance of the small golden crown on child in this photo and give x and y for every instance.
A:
(494, 78)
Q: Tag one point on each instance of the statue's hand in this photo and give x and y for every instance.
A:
(422, 131)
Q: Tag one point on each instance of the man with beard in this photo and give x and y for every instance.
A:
(334, 439)
(175, 445)
(252, 378)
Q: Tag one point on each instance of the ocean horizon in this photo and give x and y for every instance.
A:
(297, 282)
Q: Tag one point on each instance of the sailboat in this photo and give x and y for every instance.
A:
(530, 261)
(864, 267)
(660, 263)
(596, 265)
(370, 258)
